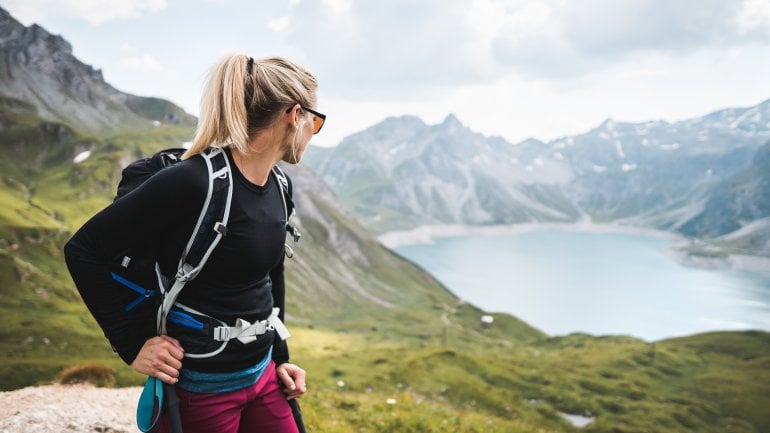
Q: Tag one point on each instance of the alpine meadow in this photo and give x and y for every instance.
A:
(387, 347)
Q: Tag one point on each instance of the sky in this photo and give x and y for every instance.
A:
(512, 68)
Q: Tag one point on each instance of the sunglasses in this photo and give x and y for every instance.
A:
(318, 119)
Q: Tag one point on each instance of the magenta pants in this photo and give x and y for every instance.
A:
(261, 408)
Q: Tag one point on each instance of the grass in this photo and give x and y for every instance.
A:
(95, 374)
(626, 384)
(354, 412)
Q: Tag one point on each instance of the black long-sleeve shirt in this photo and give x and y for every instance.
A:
(243, 277)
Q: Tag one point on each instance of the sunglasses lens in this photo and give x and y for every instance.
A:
(317, 124)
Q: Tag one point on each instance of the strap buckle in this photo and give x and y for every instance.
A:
(222, 333)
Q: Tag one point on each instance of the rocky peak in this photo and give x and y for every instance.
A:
(452, 121)
(40, 68)
(34, 39)
(34, 47)
(9, 27)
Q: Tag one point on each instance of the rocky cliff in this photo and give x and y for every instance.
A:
(40, 69)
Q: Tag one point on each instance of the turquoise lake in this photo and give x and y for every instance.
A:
(600, 283)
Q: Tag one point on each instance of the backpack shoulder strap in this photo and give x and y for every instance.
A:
(208, 231)
(288, 202)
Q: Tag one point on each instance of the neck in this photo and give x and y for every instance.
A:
(255, 167)
(265, 150)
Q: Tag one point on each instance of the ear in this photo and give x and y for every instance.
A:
(292, 116)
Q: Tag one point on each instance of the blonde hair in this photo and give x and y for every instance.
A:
(244, 95)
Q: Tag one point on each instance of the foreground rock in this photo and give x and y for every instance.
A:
(69, 408)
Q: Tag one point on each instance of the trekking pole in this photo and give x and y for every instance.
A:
(172, 408)
(297, 415)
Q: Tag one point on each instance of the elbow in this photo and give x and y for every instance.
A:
(68, 250)
(73, 250)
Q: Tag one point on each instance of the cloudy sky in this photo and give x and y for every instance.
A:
(514, 68)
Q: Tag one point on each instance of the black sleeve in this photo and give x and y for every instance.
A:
(144, 217)
(280, 348)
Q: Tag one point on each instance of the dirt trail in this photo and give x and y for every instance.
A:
(69, 409)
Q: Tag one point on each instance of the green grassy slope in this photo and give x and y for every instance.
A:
(45, 195)
(714, 382)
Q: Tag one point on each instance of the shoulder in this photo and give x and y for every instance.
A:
(184, 180)
(191, 173)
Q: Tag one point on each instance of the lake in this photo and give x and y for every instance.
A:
(563, 281)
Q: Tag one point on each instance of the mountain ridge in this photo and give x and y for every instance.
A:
(652, 174)
(40, 68)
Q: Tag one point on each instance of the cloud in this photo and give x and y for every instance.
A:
(376, 49)
(609, 28)
(380, 49)
(754, 19)
(338, 5)
(582, 36)
(145, 63)
(93, 11)
(278, 24)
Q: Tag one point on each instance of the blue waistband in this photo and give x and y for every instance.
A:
(196, 381)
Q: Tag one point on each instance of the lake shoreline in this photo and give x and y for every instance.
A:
(676, 249)
(509, 269)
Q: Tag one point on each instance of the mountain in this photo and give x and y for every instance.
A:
(736, 216)
(39, 68)
(732, 203)
(402, 173)
(660, 174)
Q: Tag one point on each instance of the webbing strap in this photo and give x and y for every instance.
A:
(143, 292)
(168, 302)
(211, 226)
(247, 332)
(150, 405)
(283, 182)
(213, 217)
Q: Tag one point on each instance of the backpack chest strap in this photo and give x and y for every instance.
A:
(247, 332)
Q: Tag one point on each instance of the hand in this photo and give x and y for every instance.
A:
(293, 378)
(160, 357)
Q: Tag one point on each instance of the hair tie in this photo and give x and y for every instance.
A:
(250, 65)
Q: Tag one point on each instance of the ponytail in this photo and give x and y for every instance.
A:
(243, 96)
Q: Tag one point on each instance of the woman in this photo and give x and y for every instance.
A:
(260, 112)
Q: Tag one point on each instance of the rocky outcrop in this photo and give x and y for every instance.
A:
(69, 408)
(38, 67)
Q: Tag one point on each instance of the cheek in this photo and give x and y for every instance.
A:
(307, 133)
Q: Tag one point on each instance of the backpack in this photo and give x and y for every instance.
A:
(151, 295)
